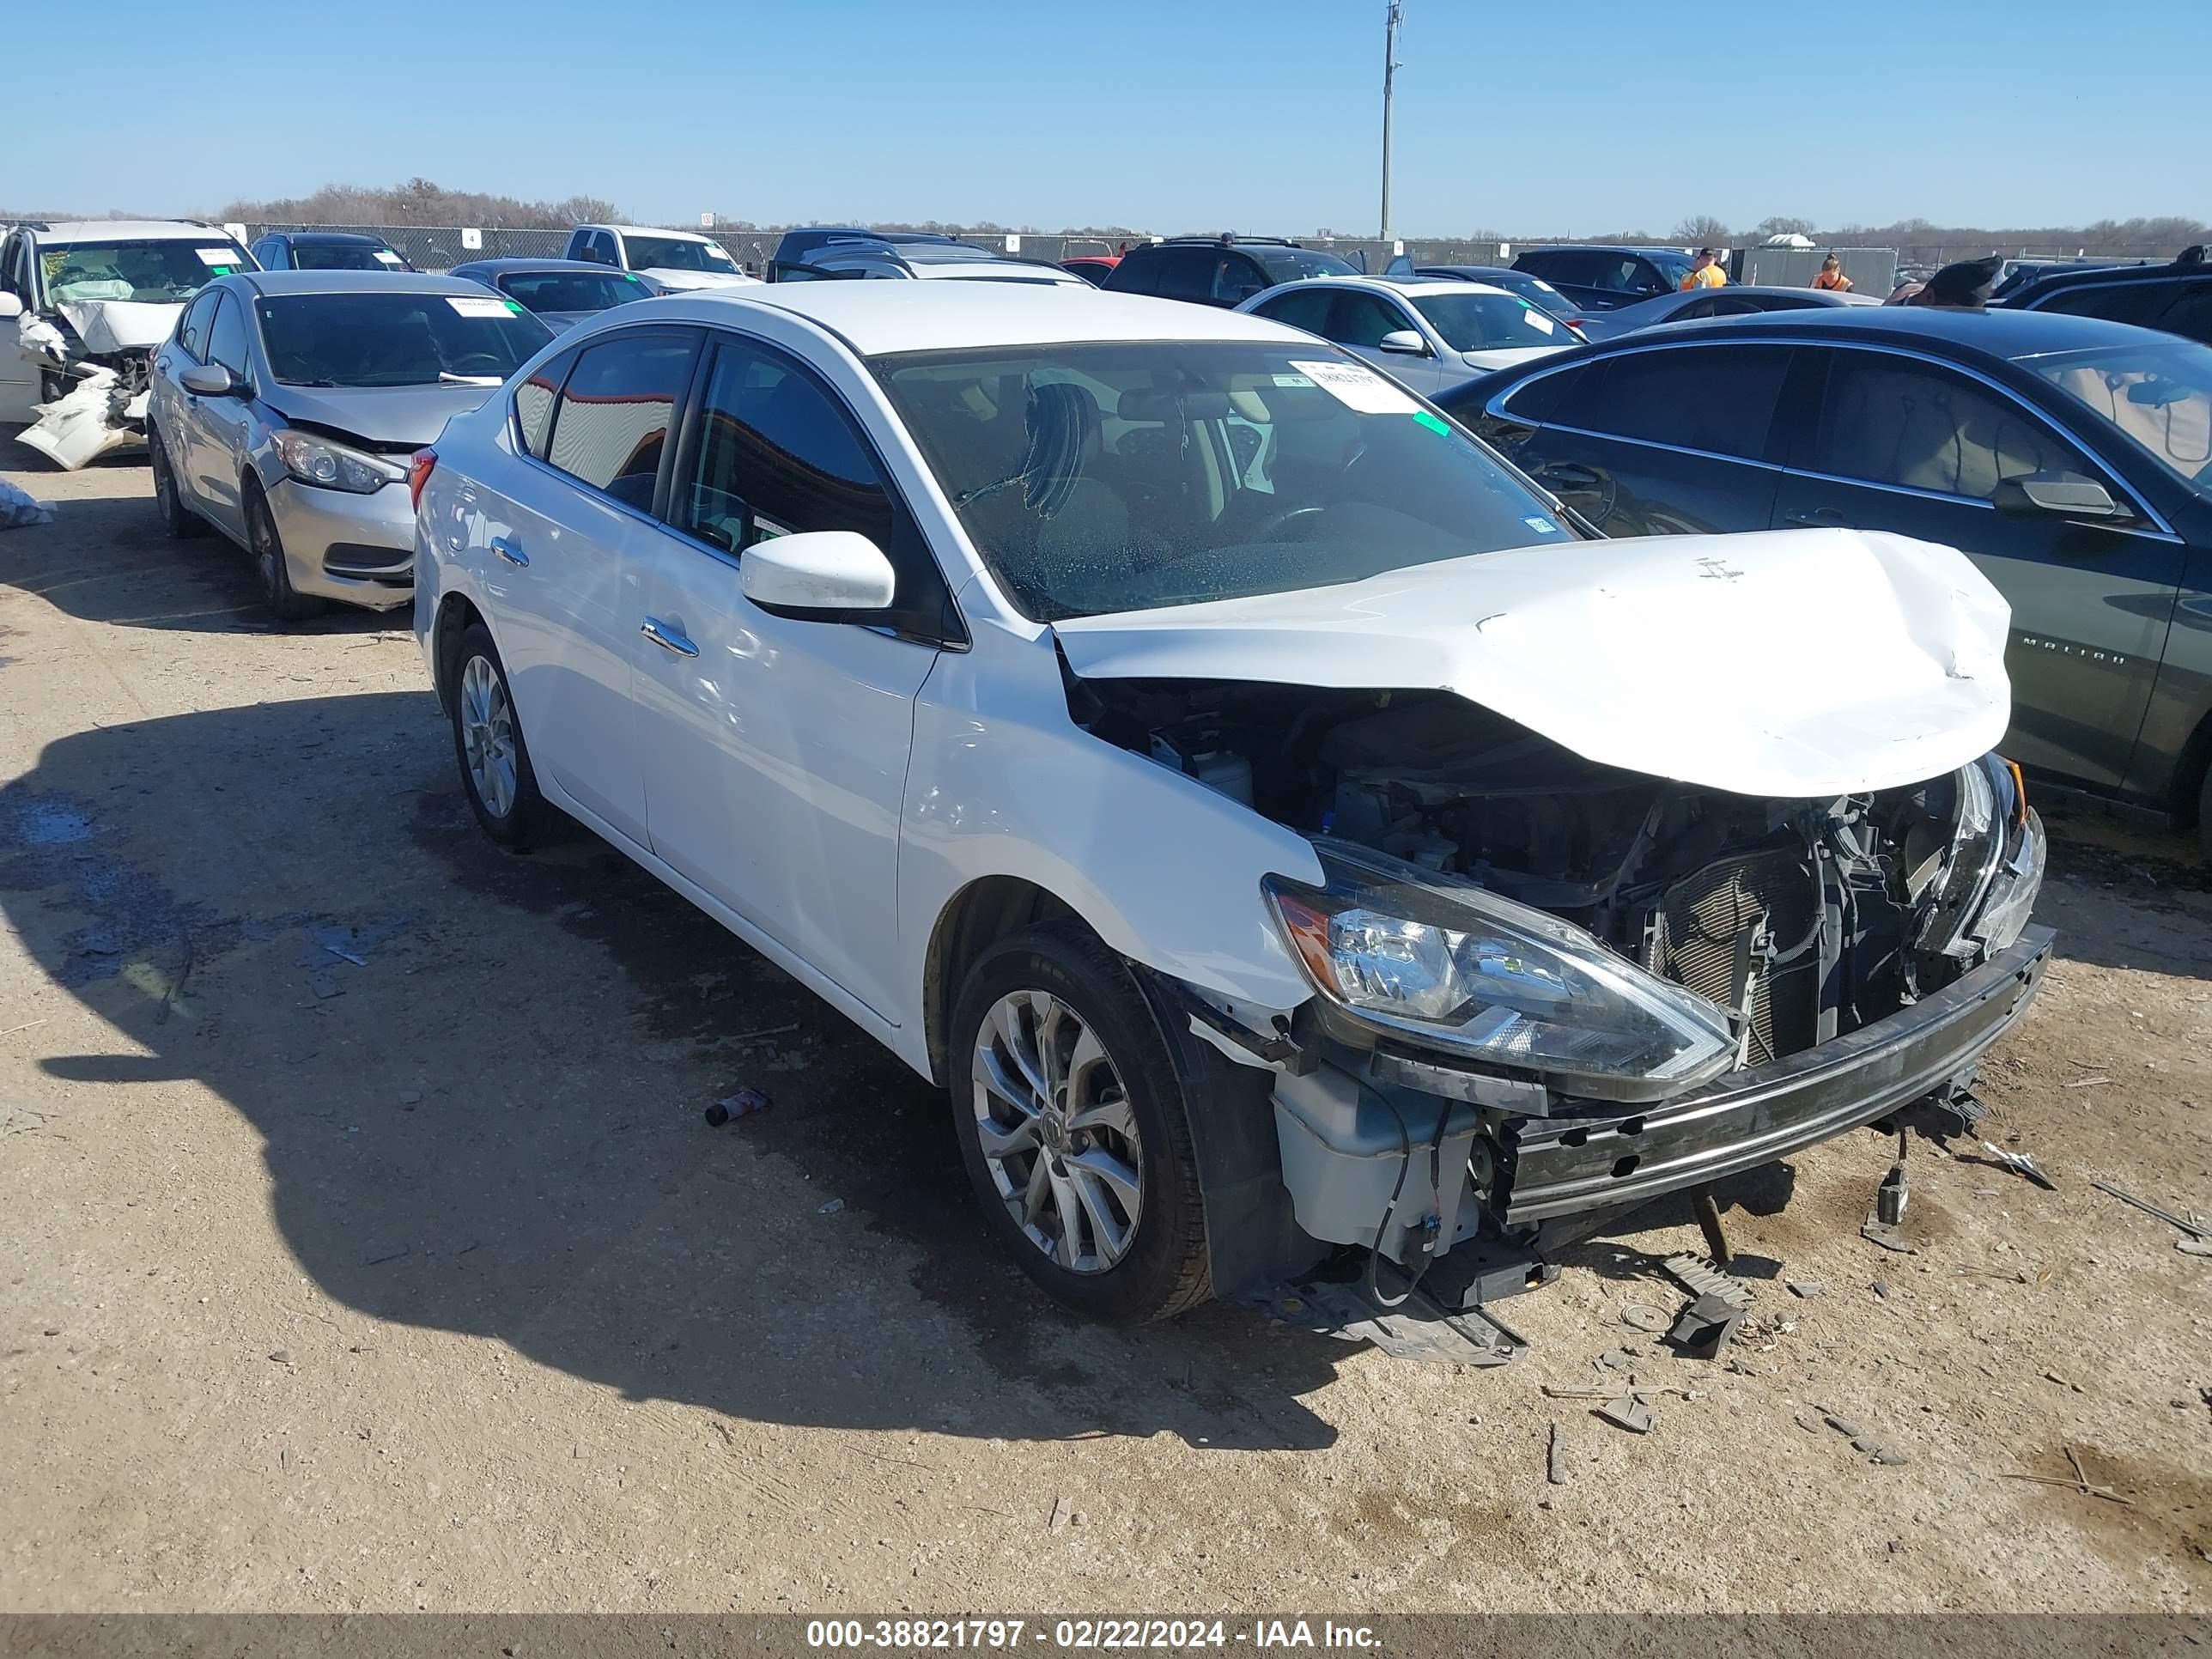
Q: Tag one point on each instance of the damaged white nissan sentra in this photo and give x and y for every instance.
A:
(1281, 834)
(83, 308)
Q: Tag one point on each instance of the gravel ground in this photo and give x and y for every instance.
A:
(363, 1247)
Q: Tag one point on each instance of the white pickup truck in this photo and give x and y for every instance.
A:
(673, 259)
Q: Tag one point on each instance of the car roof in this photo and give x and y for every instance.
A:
(275, 282)
(1603, 247)
(1415, 287)
(651, 230)
(127, 230)
(329, 237)
(875, 319)
(2004, 335)
(2092, 276)
(515, 261)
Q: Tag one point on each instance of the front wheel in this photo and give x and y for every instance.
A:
(1070, 1111)
(286, 602)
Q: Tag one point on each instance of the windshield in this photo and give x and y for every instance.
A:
(1489, 322)
(1673, 266)
(396, 339)
(342, 256)
(676, 254)
(2157, 396)
(1097, 478)
(574, 290)
(1294, 265)
(151, 273)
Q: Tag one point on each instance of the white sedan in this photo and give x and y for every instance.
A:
(1433, 335)
(1273, 823)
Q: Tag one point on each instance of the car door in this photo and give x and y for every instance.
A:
(217, 430)
(165, 396)
(776, 749)
(1906, 444)
(565, 573)
(1662, 439)
(18, 368)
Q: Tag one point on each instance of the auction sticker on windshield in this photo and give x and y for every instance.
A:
(469, 306)
(384, 256)
(1359, 389)
(220, 258)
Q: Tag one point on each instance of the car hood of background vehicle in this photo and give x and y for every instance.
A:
(691, 279)
(1795, 664)
(111, 325)
(401, 416)
(1513, 356)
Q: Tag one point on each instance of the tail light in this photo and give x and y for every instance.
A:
(420, 465)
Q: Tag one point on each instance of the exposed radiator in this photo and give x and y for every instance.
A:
(1694, 932)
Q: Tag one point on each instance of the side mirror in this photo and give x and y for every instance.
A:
(210, 380)
(1404, 340)
(2063, 494)
(9, 305)
(818, 575)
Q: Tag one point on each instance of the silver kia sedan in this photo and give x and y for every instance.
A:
(284, 407)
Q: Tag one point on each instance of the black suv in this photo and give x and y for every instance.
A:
(1602, 278)
(1218, 270)
(2175, 299)
(798, 248)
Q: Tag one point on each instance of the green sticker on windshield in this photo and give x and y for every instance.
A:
(1422, 416)
(515, 306)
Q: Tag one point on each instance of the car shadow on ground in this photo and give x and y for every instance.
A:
(106, 559)
(479, 1079)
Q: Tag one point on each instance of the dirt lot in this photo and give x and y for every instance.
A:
(364, 1247)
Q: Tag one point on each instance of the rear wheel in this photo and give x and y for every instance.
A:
(286, 604)
(178, 519)
(1069, 1108)
(494, 761)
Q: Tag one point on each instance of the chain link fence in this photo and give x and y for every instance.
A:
(442, 248)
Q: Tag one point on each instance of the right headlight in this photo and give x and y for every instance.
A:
(1461, 970)
(1994, 867)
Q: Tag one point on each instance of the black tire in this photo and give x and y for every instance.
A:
(525, 818)
(286, 604)
(1165, 1270)
(2204, 814)
(180, 521)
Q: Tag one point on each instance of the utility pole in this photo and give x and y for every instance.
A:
(1397, 16)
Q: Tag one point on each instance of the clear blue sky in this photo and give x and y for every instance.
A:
(1591, 116)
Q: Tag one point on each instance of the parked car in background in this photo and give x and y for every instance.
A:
(326, 249)
(2017, 274)
(1220, 270)
(797, 247)
(83, 307)
(1093, 268)
(1534, 289)
(1240, 835)
(1696, 305)
(675, 260)
(2174, 299)
(863, 257)
(1605, 278)
(2067, 456)
(559, 293)
(1431, 335)
(286, 404)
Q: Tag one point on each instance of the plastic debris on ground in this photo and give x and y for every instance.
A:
(2021, 1165)
(78, 429)
(740, 1104)
(18, 511)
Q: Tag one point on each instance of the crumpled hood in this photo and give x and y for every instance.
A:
(691, 279)
(112, 325)
(409, 415)
(1795, 664)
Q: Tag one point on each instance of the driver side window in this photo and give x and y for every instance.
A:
(192, 332)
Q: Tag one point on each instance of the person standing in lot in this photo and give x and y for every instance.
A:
(1705, 271)
(1832, 277)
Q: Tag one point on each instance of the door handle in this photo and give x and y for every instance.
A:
(1820, 518)
(507, 551)
(667, 638)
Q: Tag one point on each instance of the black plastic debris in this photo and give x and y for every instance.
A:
(740, 1104)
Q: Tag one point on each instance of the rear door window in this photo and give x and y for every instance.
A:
(1306, 308)
(615, 411)
(1898, 421)
(1187, 273)
(2116, 302)
(2191, 315)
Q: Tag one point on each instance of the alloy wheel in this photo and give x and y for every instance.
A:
(1057, 1132)
(488, 736)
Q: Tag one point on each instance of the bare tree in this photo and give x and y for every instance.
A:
(1779, 226)
(1701, 230)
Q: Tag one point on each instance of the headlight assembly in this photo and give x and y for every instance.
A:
(1994, 867)
(1459, 968)
(319, 461)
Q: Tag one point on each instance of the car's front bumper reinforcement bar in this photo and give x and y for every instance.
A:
(1569, 1165)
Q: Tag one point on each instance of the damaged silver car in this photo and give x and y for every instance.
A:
(83, 308)
(1316, 869)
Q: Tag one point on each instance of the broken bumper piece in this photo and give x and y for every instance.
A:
(99, 415)
(1570, 1165)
